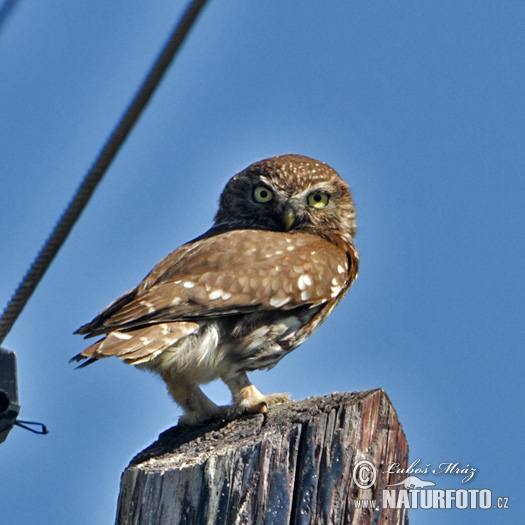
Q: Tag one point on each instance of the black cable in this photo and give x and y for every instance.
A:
(66, 222)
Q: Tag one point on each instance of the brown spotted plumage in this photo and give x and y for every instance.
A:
(278, 259)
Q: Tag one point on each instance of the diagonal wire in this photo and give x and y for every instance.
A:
(66, 222)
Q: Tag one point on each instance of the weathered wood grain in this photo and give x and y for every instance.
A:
(293, 465)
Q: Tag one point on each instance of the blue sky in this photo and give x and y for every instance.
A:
(418, 105)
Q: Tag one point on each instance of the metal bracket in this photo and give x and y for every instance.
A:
(9, 405)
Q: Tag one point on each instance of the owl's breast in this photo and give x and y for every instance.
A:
(248, 342)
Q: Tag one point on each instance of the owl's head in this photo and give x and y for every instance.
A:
(289, 193)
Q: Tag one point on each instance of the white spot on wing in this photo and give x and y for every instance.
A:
(336, 290)
(276, 302)
(269, 255)
(340, 269)
(120, 335)
(305, 295)
(304, 281)
(215, 294)
(189, 284)
(149, 306)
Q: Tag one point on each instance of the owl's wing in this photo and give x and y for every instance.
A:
(233, 272)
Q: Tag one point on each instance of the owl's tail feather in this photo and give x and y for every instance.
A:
(80, 357)
(96, 326)
(138, 346)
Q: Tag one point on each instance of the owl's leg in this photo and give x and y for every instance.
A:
(246, 398)
(197, 406)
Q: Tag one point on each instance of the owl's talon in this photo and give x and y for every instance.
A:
(275, 399)
(245, 409)
(260, 408)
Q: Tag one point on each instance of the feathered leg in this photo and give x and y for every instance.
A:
(197, 406)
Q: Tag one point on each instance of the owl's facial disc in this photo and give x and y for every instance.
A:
(288, 193)
(285, 211)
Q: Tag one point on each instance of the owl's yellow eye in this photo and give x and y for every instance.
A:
(318, 200)
(262, 194)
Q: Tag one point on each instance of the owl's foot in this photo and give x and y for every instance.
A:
(199, 417)
(250, 400)
(247, 399)
(197, 406)
(275, 399)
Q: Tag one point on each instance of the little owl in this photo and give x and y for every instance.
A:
(278, 259)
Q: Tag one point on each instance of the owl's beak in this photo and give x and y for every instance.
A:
(288, 218)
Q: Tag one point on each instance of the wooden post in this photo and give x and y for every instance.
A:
(294, 465)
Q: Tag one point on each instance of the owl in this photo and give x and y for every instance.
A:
(276, 262)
